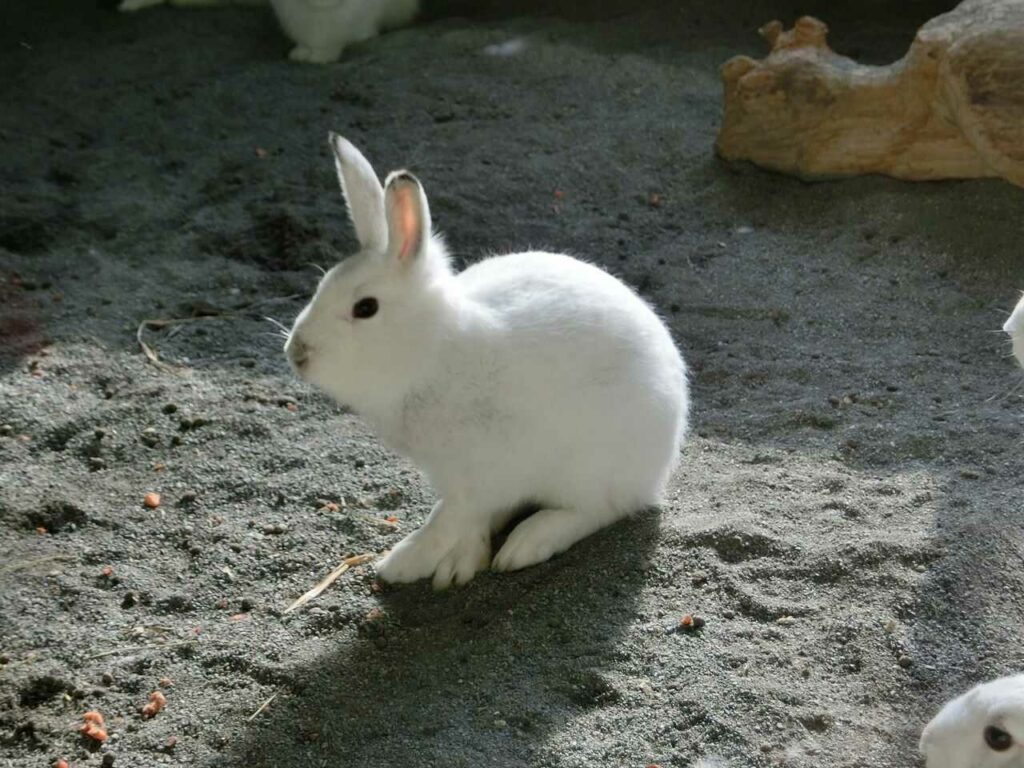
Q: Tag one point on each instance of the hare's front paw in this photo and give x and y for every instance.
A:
(425, 553)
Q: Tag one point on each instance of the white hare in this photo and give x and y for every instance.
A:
(320, 29)
(528, 379)
(1015, 327)
(983, 728)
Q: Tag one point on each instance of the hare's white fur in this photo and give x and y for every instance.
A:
(1014, 326)
(955, 738)
(531, 378)
(321, 29)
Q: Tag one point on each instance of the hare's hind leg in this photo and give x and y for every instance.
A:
(546, 533)
(136, 5)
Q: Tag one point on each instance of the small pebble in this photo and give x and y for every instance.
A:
(698, 578)
(188, 497)
(108, 760)
(107, 678)
(275, 528)
(6, 429)
(729, 614)
(247, 604)
(905, 661)
(170, 408)
(96, 463)
(130, 600)
(785, 621)
(99, 434)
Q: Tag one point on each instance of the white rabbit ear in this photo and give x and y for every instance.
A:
(363, 193)
(408, 217)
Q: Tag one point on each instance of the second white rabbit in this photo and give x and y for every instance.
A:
(527, 379)
(983, 728)
(1014, 326)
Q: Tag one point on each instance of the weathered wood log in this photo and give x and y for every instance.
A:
(953, 107)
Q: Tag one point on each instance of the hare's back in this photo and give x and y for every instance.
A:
(535, 289)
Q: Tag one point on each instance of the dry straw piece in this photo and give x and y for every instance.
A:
(330, 578)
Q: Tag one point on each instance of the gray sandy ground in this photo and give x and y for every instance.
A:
(847, 515)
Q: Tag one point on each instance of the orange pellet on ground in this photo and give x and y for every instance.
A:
(156, 702)
(686, 620)
(94, 732)
(61, 764)
(151, 500)
(94, 717)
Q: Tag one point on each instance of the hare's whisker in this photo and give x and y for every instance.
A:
(278, 323)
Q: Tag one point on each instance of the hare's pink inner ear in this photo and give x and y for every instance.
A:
(408, 217)
(407, 223)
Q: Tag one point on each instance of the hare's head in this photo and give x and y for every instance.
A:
(983, 728)
(373, 314)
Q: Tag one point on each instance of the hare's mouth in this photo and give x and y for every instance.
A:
(299, 354)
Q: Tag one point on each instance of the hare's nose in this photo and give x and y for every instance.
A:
(297, 351)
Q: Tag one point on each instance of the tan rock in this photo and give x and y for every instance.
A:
(953, 107)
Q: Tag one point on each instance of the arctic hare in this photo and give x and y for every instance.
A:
(983, 728)
(320, 29)
(528, 379)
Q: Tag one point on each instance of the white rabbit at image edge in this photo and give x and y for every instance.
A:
(320, 29)
(983, 728)
(527, 379)
(1015, 327)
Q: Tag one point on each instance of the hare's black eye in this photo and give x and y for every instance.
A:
(365, 308)
(998, 739)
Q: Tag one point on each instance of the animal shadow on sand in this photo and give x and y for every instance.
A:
(471, 676)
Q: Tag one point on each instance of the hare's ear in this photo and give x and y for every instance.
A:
(363, 194)
(408, 218)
